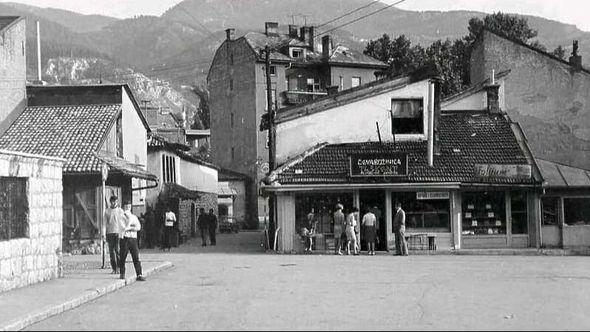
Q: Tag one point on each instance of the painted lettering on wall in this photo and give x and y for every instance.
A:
(393, 164)
(503, 171)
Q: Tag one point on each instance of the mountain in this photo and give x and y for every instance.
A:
(71, 20)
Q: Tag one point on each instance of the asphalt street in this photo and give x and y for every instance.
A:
(235, 286)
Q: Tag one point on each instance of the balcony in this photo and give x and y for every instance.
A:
(300, 97)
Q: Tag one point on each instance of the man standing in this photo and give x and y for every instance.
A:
(338, 228)
(399, 227)
(128, 242)
(202, 223)
(114, 222)
(369, 222)
(169, 222)
(212, 224)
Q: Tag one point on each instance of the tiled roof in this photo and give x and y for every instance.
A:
(72, 132)
(122, 166)
(558, 175)
(466, 139)
(346, 56)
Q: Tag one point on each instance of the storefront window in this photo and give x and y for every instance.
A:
(576, 211)
(484, 213)
(550, 208)
(518, 204)
(428, 215)
(323, 206)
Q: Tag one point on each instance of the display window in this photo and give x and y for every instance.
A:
(550, 208)
(518, 206)
(576, 210)
(424, 215)
(484, 213)
(316, 210)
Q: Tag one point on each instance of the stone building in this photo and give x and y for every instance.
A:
(300, 71)
(31, 219)
(548, 96)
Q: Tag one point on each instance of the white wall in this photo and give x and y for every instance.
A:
(476, 101)
(197, 177)
(134, 143)
(352, 122)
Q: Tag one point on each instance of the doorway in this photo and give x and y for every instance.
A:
(374, 200)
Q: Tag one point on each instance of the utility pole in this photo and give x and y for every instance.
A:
(271, 145)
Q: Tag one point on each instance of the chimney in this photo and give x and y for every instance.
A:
(307, 36)
(230, 34)
(575, 59)
(293, 31)
(493, 97)
(326, 46)
(271, 28)
(332, 89)
(38, 52)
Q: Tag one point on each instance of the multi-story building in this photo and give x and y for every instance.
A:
(300, 71)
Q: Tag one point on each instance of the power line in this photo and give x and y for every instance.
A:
(349, 13)
(360, 18)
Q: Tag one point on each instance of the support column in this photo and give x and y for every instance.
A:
(456, 210)
(286, 221)
(508, 203)
(388, 219)
(534, 215)
(357, 203)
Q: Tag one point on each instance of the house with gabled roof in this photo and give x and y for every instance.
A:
(91, 127)
(303, 67)
(460, 167)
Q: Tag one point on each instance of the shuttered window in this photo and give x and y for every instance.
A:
(14, 208)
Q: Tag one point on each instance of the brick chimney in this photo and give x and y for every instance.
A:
(230, 34)
(575, 59)
(271, 28)
(326, 46)
(293, 31)
(307, 36)
(493, 97)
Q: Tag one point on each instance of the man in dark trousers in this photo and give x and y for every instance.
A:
(399, 227)
(114, 222)
(212, 224)
(128, 242)
(202, 223)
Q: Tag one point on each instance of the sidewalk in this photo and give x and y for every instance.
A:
(83, 281)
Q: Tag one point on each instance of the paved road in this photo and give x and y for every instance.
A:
(228, 287)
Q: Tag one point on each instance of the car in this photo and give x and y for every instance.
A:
(228, 225)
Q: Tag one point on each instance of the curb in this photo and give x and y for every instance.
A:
(87, 296)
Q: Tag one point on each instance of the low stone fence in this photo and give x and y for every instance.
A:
(31, 226)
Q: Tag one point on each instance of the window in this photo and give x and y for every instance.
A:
(119, 133)
(313, 85)
(296, 53)
(550, 211)
(484, 213)
(14, 208)
(273, 70)
(356, 81)
(341, 83)
(233, 153)
(431, 215)
(324, 206)
(576, 211)
(407, 116)
(518, 206)
(168, 169)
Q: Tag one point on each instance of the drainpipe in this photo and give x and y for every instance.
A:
(430, 147)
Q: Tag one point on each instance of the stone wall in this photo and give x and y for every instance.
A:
(206, 201)
(37, 257)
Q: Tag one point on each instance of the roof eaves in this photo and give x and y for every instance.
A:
(15, 20)
(136, 106)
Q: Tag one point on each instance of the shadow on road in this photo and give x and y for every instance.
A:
(245, 242)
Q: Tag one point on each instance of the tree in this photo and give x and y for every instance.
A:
(402, 57)
(511, 26)
(559, 52)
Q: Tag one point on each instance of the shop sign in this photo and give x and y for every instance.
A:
(391, 164)
(424, 195)
(503, 171)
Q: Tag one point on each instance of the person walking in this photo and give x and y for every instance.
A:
(202, 224)
(311, 229)
(212, 226)
(338, 228)
(128, 242)
(369, 222)
(351, 239)
(169, 223)
(399, 227)
(114, 221)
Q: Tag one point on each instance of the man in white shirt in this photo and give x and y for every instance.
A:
(369, 221)
(128, 242)
(114, 221)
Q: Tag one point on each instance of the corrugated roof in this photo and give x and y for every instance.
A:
(466, 139)
(72, 132)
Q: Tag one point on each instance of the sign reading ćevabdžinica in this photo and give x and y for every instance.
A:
(393, 164)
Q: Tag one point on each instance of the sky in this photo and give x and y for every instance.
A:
(566, 11)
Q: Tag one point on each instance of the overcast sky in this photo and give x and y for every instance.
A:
(567, 11)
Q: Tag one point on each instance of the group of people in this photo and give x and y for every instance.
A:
(120, 229)
(347, 230)
(207, 224)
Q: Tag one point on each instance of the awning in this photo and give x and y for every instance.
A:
(558, 175)
(224, 190)
(173, 190)
(122, 166)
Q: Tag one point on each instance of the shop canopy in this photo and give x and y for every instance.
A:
(124, 167)
(559, 175)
